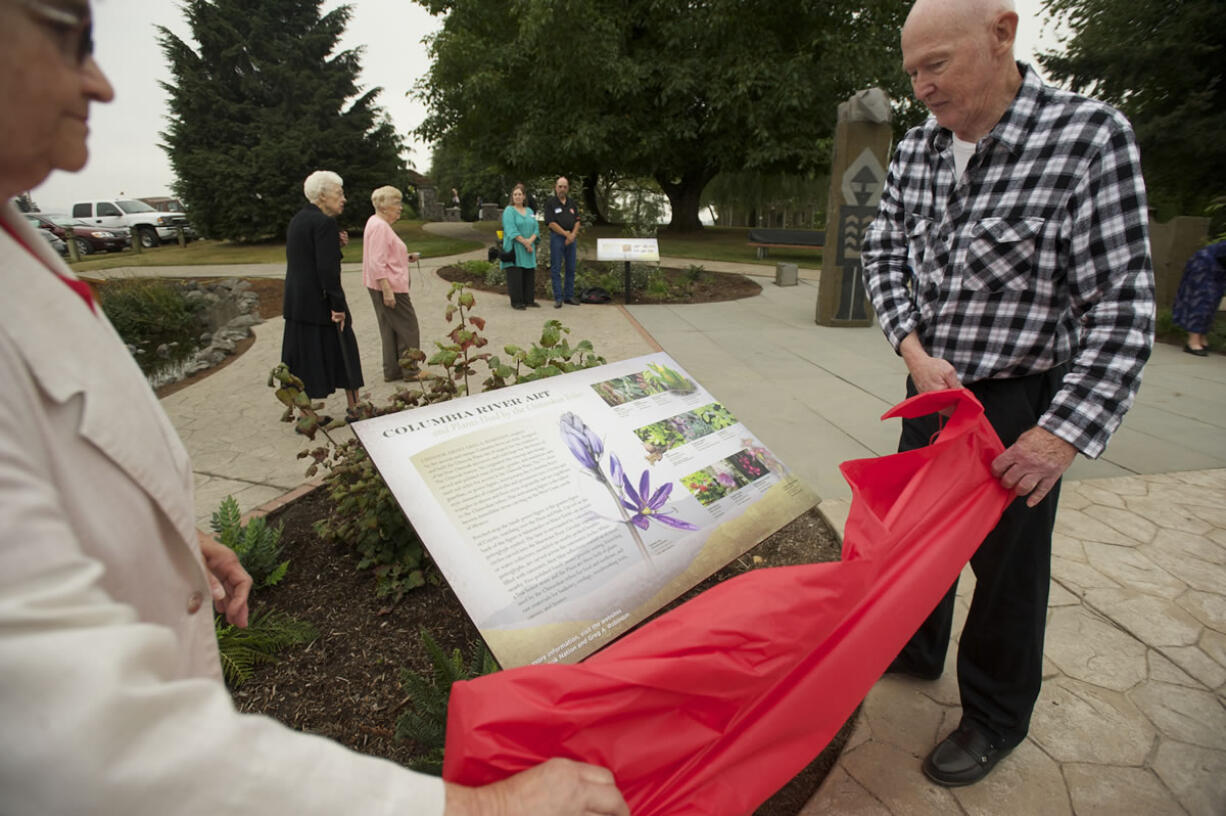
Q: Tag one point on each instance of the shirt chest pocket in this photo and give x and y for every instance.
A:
(1002, 254)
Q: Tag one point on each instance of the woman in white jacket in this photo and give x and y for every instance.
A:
(110, 689)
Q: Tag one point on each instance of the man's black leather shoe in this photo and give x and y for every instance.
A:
(963, 758)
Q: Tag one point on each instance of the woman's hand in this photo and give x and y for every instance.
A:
(228, 581)
(339, 319)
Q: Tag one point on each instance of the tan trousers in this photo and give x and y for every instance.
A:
(398, 330)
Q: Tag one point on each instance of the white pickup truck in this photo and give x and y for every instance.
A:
(150, 226)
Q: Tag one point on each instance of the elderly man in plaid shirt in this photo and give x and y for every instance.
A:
(1009, 255)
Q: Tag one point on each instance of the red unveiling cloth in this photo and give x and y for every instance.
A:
(714, 706)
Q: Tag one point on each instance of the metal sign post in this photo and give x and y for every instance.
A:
(628, 250)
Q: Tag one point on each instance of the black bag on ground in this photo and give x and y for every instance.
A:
(594, 294)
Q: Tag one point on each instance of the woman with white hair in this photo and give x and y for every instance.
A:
(112, 697)
(319, 346)
(385, 271)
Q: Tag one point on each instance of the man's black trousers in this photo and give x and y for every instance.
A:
(1000, 652)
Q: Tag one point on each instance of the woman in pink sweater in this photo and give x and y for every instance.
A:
(385, 272)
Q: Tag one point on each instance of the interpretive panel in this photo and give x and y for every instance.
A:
(563, 512)
(627, 249)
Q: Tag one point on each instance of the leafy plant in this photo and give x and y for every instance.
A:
(552, 355)
(426, 722)
(704, 487)
(476, 267)
(495, 275)
(267, 633)
(658, 288)
(659, 436)
(663, 378)
(257, 545)
(259, 548)
(717, 416)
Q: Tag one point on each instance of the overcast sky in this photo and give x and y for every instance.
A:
(124, 153)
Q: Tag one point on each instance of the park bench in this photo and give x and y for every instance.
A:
(764, 239)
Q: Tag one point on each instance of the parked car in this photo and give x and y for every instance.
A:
(88, 239)
(56, 243)
(151, 226)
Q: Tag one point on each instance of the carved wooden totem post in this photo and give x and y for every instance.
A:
(857, 177)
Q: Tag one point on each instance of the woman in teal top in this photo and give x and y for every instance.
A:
(519, 230)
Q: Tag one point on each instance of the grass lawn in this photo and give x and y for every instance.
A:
(728, 244)
(202, 253)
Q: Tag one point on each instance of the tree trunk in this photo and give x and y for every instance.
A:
(684, 197)
(591, 205)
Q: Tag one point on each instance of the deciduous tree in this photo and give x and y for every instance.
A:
(262, 100)
(677, 90)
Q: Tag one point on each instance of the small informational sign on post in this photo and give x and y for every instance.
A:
(564, 511)
(628, 250)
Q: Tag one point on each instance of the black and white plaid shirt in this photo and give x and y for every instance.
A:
(1037, 256)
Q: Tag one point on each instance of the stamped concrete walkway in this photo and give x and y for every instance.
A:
(1132, 717)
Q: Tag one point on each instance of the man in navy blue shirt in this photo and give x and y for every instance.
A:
(562, 219)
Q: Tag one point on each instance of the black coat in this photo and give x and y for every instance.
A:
(313, 269)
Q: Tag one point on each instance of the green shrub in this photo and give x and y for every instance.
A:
(476, 267)
(658, 288)
(426, 722)
(258, 546)
(495, 275)
(366, 517)
(148, 314)
(267, 633)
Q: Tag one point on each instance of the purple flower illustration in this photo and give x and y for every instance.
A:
(645, 505)
(646, 509)
(583, 442)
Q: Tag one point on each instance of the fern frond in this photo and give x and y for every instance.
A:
(226, 522)
(268, 632)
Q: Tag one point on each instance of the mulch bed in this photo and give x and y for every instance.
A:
(709, 287)
(346, 684)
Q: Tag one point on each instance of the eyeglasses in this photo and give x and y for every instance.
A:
(74, 30)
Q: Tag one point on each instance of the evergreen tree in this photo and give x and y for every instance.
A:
(264, 100)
